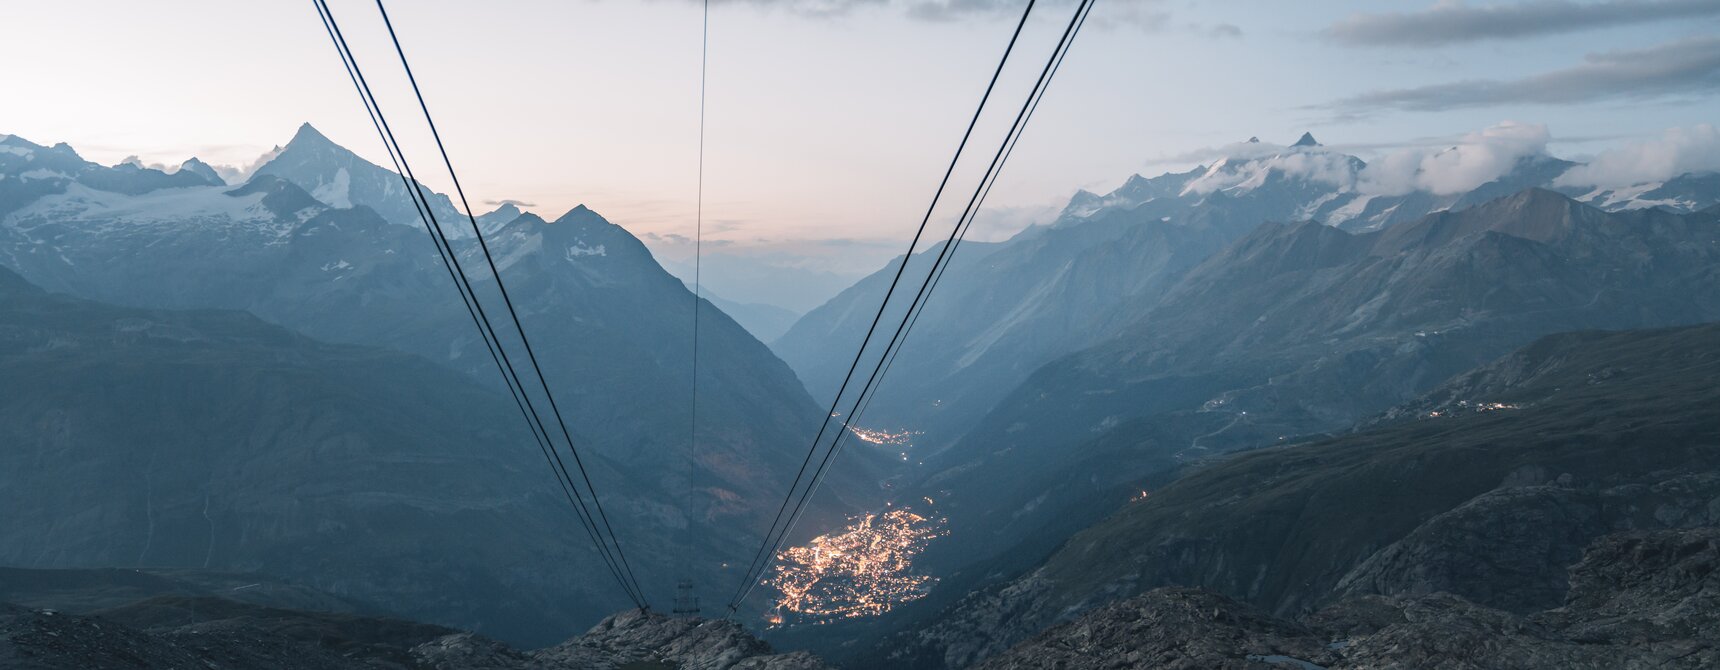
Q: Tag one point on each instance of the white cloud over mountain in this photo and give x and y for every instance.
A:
(1476, 159)
(1677, 151)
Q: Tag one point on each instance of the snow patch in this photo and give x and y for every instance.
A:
(105, 212)
(42, 173)
(337, 192)
(579, 249)
(1349, 210)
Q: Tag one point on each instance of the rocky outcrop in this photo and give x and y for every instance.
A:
(232, 635)
(1650, 586)
(1508, 548)
(687, 643)
(1167, 628)
(38, 639)
(1637, 600)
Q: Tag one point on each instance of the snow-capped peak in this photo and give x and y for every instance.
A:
(1252, 164)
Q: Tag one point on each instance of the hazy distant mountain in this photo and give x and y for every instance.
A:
(201, 169)
(32, 171)
(765, 322)
(1055, 289)
(611, 327)
(1006, 309)
(763, 280)
(1000, 312)
(1491, 489)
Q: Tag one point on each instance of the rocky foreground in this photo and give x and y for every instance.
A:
(214, 633)
(1637, 600)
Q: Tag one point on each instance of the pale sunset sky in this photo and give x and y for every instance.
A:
(830, 121)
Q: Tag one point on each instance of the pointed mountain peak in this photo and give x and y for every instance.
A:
(578, 213)
(1307, 140)
(1253, 140)
(308, 135)
(528, 219)
(202, 169)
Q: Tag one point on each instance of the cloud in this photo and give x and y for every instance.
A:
(517, 203)
(1116, 13)
(1684, 67)
(998, 222)
(666, 238)
(1455, 22)
(1224, 30)
(137, 162)
(1677, 151)
(240, 174)
(1476, 159)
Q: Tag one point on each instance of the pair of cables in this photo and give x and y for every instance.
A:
(799, 495)
(592, 516)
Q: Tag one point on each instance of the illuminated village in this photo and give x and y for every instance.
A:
(865, 569)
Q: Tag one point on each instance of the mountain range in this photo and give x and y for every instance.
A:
(1006, 309)
(313, 243)
(1204, 344)
(1152, 331)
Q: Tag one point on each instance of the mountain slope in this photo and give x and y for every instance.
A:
(1107, 259)
(1578, 435)
(206, 439)
(1305, 328)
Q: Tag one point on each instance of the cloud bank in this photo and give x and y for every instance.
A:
(1684, 67)
(1677, 151)
(1452, 166)
(1456, 22)
(1144, 15)
(1476, 159)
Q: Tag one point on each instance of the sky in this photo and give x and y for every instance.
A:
(829, 122)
